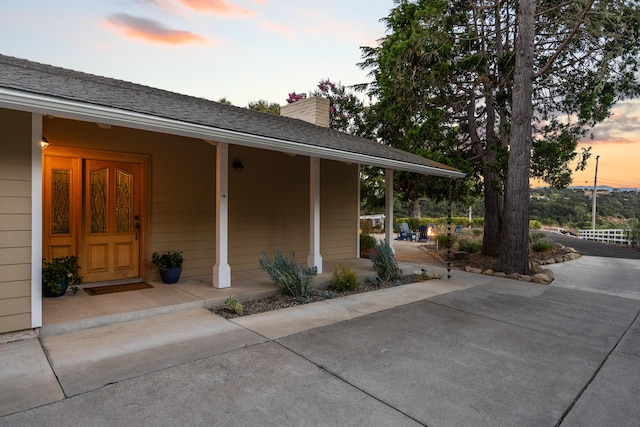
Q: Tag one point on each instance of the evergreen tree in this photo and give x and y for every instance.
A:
(490, 85)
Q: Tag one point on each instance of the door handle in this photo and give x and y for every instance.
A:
(136, 225)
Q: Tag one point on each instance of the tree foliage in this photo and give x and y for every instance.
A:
(265, 107)
(444, 77)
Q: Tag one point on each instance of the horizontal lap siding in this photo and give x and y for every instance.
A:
(268, 206)
(268, 198)
(15, 220)
(338, 210)
(182, 185)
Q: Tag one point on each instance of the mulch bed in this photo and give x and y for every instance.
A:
(283, 301)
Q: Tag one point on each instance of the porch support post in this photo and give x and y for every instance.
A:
(359, 212)
(314, 259)
(388, 202)
(221, 269)
(36, 220)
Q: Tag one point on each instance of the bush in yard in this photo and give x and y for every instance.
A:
(367, 243)
(542, 245)
(285, 273)
(344, 278)
(634, 233)
(471, 246)
(366, 226)
(534, 237)
(446, 240)
(535, 225)
(384, 262)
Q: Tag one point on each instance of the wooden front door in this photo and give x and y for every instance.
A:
(92, 208)
(111, 220)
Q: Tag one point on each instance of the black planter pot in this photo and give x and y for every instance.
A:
(51, 293)
(171, 276)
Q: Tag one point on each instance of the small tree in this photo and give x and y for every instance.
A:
(265, 107)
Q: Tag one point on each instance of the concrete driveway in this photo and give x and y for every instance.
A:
(480, 351)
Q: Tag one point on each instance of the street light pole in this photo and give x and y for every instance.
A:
(595, 191)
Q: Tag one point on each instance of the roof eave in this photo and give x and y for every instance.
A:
(47, 105)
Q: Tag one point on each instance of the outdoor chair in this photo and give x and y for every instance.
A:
(422, 233)
(401, 233)
(409, 235)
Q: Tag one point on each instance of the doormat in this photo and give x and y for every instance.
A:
(111, 289)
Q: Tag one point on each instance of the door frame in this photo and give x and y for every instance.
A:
(81, 154)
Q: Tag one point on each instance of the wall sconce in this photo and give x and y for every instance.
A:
(237, 165)
(44, 143)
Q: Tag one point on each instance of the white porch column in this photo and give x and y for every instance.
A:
(221, 269)
(358, 210)
(388, 202)
(36, 221)
(314, 259)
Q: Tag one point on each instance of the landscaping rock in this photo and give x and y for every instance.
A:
(488, 272)
(514, 276)
(499, 274)
(526, 278)
(541, 278)
(537, 269)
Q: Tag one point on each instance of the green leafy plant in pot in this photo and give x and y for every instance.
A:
(170, 265)
(60, 274)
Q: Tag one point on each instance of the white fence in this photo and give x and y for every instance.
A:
(376, 220)
(610, 236)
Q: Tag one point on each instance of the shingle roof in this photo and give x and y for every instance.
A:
(46, 80)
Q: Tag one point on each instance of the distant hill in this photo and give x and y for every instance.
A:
(605, 188)
(571, 207)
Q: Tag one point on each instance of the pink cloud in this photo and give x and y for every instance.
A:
(623, 127)
(607, 139)
(277, 28)
(218, 7)
(150, 30)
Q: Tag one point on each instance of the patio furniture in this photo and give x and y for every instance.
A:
(410, 235)
(422, 233)
(401, 233)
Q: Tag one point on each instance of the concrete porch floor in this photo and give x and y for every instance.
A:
(81, 311)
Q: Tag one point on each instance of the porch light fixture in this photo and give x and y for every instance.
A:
(44, 143)
(237, 165)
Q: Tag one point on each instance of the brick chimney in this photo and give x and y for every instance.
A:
(313, 110)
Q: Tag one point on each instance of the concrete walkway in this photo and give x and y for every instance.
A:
(474, 350)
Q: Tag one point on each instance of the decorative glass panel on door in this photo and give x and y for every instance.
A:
(124, 201)
(60, 201)
(98, 202)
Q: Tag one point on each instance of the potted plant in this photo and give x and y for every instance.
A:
(170, 265)
(59, 274)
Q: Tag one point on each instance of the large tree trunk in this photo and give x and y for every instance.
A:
(514, 253)
(491, 240)
(415, 209)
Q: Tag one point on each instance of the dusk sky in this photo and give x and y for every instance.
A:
(243, 50)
